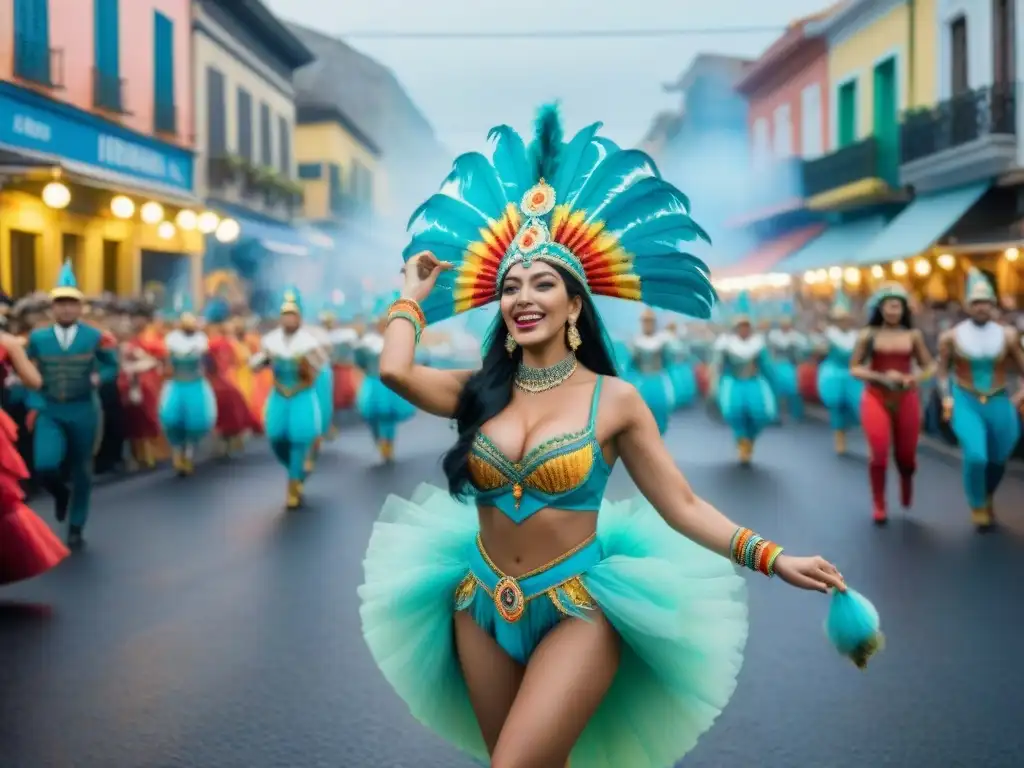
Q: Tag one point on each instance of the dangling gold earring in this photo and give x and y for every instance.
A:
(510, 344)
(575, 342)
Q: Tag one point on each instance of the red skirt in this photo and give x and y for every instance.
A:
(27, 545)
(345, 386)
(140, 419)
(700, 371)
(233, 414)
(807, 381)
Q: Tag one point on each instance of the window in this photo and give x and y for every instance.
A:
(106, 76)
(846, 114)
(958, 56)
(216, 125)
(266, 139)
(782, 119)
(245, 124)
(111, 260)
(1004, 47)
(811, 144)
(284, 139)
(32, 40)
(336, 192)
(361, 184)
(311, 171)
(163, 74)
(762, 141)
(23, 262)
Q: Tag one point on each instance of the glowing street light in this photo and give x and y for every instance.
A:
(56, 195)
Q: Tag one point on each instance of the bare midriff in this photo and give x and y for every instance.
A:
(541, 538)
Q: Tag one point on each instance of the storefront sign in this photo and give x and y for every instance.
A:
(32, 122)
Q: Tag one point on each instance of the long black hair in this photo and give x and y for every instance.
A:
(489, 390)
(906, 319)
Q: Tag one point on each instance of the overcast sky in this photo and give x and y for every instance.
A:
(466, 86)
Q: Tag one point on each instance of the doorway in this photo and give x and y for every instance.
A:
(886, 122)
(111, 265)
(23, 263)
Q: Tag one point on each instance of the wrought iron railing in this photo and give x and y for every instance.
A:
(960, 120)
(36, 62)
(844, 166)
(108, 91)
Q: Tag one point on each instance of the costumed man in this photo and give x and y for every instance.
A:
(974, 361)
(140, 381)
(741, 380)
(293, 420)
(649, 354)
(234, 417)
(839, 391)
(188, 408)
(381, 409)
(789, 348)
(679, 365)
(74, 360)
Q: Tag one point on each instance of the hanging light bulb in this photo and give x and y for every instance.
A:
(152, 213)
(810, 277)
(165, 231)
(922, 268)
(1012, 254)
(122, 207)
(207, 222)
(56, 195)
(878, 272)
(186, 220)
(946, 261)
(852, 275)
(835, 273)
(899, 268)
(228, 231)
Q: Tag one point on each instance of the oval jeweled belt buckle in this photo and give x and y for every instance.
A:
(509, 599)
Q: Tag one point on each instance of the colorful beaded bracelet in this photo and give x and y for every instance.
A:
(410, 306)
(396, 314)
(754, 552)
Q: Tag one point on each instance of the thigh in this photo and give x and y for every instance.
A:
(491, 675)
(84, 432)
(1003, 429)
(49, 445)
(566, 680)
(969, 428)
(877, 424)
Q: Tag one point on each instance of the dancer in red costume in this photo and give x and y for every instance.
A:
(234, 418)
(27, 545)
(890, 408)
(139, 382)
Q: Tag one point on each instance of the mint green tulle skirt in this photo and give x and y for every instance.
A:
(680, 610)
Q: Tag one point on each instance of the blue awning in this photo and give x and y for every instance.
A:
(838, 245)
(921, 224)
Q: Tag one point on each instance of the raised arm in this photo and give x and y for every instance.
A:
(651, 466)
(430, 389)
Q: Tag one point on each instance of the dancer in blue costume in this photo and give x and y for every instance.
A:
(838, 389)
(324, 386)
(649, 354)
(188, 408)
(742, 379)
(293, 418)
(975, 358)
(610, 638)
(382, 409)
(789, 348)
(679, 365)
(74, 359)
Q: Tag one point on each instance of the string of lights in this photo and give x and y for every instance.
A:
(564, 34)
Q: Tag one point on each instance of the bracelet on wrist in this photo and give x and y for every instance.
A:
(402, 314)
(754, 552)
(411, 306)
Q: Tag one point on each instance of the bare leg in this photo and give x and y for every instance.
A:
(566, 679)
(492, 677)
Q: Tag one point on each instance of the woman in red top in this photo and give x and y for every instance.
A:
(890, 408)
(140, 380)
(27, 545)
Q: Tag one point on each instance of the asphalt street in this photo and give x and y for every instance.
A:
(204, 627)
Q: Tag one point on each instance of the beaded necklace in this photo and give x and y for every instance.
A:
(535, 380)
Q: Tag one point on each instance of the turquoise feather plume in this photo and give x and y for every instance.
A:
(579, 157)
(853, 626)
(474, 180)
(510, 161)
(546, 147)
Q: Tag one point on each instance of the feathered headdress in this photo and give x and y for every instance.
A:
(841, 306)
(978, 287)
(602, 213)
(291, 302)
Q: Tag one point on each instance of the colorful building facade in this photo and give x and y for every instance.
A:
(96, 159)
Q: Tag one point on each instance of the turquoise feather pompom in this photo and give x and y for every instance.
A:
(854, 627)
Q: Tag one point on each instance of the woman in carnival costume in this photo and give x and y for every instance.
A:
(343, 339)
(742, 378)
(789, 348)
(294, 417)
(611, 639)
(28, 547)
(890, 409)
(977, 355)
(234, 417)
(647, 372)
(839, 390)
(140, 381)
(381, 409)
(679, 365)
(188, 408)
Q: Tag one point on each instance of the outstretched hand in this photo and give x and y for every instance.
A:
(811, 573)
(421, 273)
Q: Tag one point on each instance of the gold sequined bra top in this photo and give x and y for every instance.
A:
(566, 472)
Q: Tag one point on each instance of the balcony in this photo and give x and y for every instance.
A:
(35, 62)
(852, 175)
(237, 180)
(108, 92)
(165, 118)
(964, 139)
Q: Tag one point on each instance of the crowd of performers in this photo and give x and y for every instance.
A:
(868, 373)
(182, 378)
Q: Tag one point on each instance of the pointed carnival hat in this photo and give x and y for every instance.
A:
(291, 302)
(67, 285)
(602, 214)
(979, 288)
(841, 305)
(743, 310)
(183, 308)
(887, 290)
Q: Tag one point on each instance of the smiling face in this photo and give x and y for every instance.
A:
(981, 311)
(892, 310)
(535, 304)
